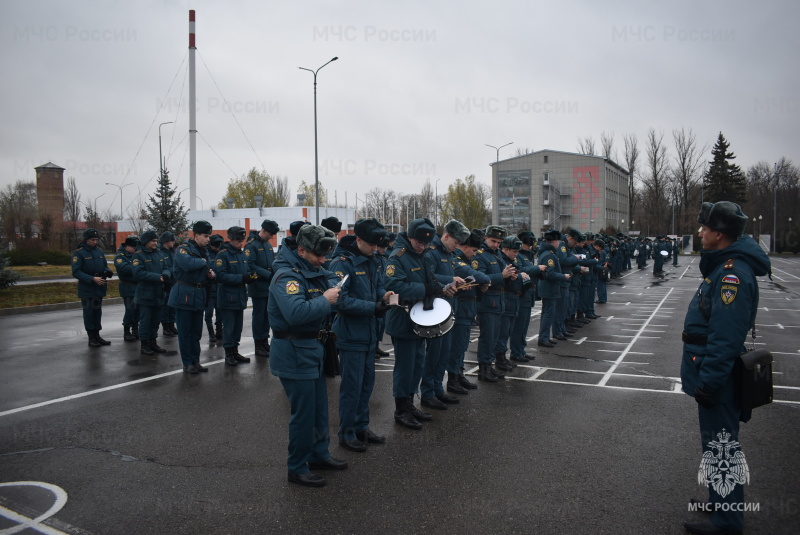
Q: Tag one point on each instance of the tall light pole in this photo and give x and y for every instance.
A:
(775, 209)
(759, 229)
(316, 153)
(498, 149)
(120, 194)
(160, 158)
(436, 202)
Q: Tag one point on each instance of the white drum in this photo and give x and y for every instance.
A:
(664, 253)
(434, 322)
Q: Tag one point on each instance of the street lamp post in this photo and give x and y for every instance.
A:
(120, 194)
(498, 149)
(316, 153)
(160, 157)
(436, 202)
(754, 226)
(759, 229)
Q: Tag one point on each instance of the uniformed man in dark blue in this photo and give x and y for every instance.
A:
(490, 302)
(150, 272)
(437, 351)
(192, 277)
(658, 258)
(89, 266)
(527, 264)
(123, 262)
(549, 287)
(299, 304)
(333, 224)
(167, 247)
(514, 285)
(232, 275)
(567, 263)
(294, 228)
(361, 301)
(675, 251)
(457, 381)
(260, 257)
(214, 328)
(720, 315)
(410, 275)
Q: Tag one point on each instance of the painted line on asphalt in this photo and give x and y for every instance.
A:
(611, 370)
(104, 389)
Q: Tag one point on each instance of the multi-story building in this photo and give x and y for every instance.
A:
(550, 189)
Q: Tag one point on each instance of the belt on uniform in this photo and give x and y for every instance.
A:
(128, 282)
(307, 335)
(198, 285)
(694, 339)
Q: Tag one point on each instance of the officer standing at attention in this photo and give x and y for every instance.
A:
(188, 295)
(214, 243)
(260, 257)
(515, 285)
(457, 382)
(410, 275)
(167, 247)
(90, 268)
(675, 251)
(437, 351)
(519, 331)
(127, 287)
(549, 287)
(299, 304)
(490, 303)
(233, 274)
(361, 301)
(714, 331)
(383, 258)
(150, 273)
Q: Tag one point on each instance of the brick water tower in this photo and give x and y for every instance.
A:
(50, 195)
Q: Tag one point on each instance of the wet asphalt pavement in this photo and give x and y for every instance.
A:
(593, 437)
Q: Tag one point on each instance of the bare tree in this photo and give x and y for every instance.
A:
(586, 145)
(522, 151)
(607, 143)
(656, 181)
(72, 201)
(19, 209)
(686, 173)
(631, 160)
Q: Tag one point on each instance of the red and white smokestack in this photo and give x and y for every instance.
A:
(192, 118)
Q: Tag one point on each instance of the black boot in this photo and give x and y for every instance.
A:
(403, 416)
(497, 373)
(135, 331)
(238, 356)
(146, 349)
(454, 386)
(463, 381)
(155, 347)
(484, 374)
(165, 328)
(261, 350)
(212, 338)
(100, 339)
(416, 413)
(230, 356)
(173, 328)
(501, 363)
(93, 341)
(127, 335)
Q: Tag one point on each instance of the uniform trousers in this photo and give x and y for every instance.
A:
(712, 421)
(260, 318)
(459, 343)
(561, 312)
(210, 307)
(92, 313)
(602, 294)
(149, 318)
(409, 356)
(489, 331)
(190, 330)
(507, 319)
(232, 323)
(358, 381)
(519, 332)
(308, 425)
(131, 316)
(437, 354)
(547, 319)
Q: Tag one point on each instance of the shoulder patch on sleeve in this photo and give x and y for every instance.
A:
(183, 250)
(75, 259)
(551, 263)
(728, 264)
(390, 270)
(730, 279)
(119, 260)
(247, 252)
(219, 262)
(563, 249)
(292, 287)
(728, 293)
(135, 261)
(474, 264)
(340, 274)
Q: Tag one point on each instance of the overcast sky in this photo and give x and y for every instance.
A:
(419, 89)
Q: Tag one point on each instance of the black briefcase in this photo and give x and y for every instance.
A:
(753, 379)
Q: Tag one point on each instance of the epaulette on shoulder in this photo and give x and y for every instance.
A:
(401, 252)
(431, 247)
(342, 258)
(480, 251)
(728, 264)
(295, 270)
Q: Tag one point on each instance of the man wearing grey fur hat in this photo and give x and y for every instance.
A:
(720, 314)
(437, 353)
(300, 300)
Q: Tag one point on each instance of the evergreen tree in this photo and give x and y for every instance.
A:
(7, 277)
(724, 180)
(165, 213)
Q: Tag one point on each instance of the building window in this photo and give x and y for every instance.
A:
(545, 159)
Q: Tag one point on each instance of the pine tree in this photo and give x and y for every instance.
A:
(164, 213)
(7, 276)
(724, 181)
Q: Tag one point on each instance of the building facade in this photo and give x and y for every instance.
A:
(550, 189)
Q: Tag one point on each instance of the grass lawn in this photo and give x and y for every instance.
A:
(42, 271)
(47, 294)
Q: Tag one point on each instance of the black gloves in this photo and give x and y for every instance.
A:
(107, 274)
(249, 278)
(703, 398)
(380, 308)
(433, 288)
